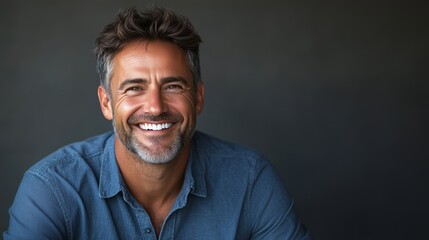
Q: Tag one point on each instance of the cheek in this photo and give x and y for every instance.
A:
(184, 103)
(127, 106)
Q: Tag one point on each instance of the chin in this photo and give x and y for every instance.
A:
(157, 154)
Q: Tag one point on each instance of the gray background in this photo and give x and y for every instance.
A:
(334, 93)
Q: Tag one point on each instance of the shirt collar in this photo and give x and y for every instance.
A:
(111, 181)
(195, 171)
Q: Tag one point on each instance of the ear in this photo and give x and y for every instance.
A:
(199, 105)
(105, 104)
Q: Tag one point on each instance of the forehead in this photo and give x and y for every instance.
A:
(148, 59)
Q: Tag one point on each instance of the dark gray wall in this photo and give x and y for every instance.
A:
(334, 92)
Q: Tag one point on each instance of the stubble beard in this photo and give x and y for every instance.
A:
(155, 155)
(162, 156)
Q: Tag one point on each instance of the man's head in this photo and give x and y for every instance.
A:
(154, 24)
(150, 82)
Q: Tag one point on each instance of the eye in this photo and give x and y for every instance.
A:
(174, 87)
(134, 89)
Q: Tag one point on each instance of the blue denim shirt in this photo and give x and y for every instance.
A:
(229, 192)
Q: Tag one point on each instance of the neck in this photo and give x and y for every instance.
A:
(152, 184)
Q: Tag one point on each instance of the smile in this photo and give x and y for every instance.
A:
(155, 127)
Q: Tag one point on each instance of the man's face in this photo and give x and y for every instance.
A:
(153, 101)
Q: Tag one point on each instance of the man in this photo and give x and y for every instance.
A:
(154, 177)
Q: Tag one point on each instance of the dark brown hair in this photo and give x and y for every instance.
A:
(153, 24)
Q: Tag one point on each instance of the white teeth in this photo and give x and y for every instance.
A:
(155, 127)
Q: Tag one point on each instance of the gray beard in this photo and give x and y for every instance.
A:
(149, 155)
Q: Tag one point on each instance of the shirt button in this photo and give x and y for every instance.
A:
(148, 230)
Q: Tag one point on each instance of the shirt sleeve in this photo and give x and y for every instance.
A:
(271, 208)
(35, 212)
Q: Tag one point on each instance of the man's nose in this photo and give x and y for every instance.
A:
(155, 102)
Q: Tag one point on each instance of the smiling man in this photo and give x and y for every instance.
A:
(154, 177)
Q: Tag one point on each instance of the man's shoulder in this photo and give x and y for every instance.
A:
(214, 149)
(217, 162)
(77, 153)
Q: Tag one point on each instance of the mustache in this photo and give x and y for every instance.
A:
(138, 118)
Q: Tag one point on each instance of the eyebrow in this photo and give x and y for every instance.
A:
(165, 80)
